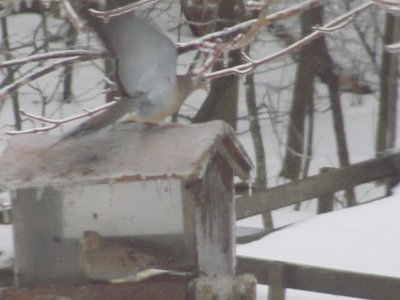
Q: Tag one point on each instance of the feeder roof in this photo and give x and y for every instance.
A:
(127, 152)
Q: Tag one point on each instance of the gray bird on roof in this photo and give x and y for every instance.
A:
(146, 75)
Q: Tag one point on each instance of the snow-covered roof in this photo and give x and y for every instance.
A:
(127, 152)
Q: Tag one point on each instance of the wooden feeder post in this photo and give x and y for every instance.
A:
(169, 185)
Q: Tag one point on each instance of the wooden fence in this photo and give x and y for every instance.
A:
(318, 185)
(282, 275)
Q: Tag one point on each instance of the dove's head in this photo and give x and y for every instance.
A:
(91, 240)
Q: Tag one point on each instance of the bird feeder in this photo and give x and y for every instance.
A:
(170, 184)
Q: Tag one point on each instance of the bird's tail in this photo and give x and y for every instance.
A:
(102, 120)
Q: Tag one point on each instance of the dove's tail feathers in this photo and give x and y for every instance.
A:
(108, 117)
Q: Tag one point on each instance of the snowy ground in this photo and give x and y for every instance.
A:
(6, 246)
(363, 239)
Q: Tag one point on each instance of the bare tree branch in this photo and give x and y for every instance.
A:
(257, 5)
(251, 64)
(107, 15)
(4, 92)
(229, 33)
(390, 6)
(57, 122)
(50, 55)
(334, 28)
(387, 2)
(254, 29)
(73, 16)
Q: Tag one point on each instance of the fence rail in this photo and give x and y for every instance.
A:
(282, 275)
(317, 185)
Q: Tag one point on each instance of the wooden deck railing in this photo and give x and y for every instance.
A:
(317, 185)
(282, 275)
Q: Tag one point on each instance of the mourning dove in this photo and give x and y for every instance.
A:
(104, 260)
(146, 75)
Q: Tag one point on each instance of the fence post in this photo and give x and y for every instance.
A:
(275, 281)
(325, 202)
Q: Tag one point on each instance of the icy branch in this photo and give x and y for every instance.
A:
(393, 48)
(212, 50)
(250, 64)
(254, 29)
(227, 34)
(54, 123)
(11, 88)
(50, 55)
(334, 28)
(390, 6)
(388, 3)
(107, 15)
(73, 16)
(254, 4)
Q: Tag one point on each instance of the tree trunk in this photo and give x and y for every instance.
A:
(10, 73)
(69, 70)
(302, 97)
(203, 15)
(255, 130)
(386, 131)
(325, 66)
(221, 103)
(314, 59)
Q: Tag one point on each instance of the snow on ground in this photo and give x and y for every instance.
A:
(362, 239)
(6, 246)
(262, 293)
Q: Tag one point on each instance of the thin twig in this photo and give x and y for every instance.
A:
(254, 29)
(73, 17)
(390, 6)
(389, 3)
(240, 41)
(334, 28)
(4, 92)
(57, 122)
(50, 55)
(256, 5)
(228, 33)
(250, 64)
(107, 15)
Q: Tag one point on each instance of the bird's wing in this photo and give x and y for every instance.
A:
(146, 58)
(142, 275)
